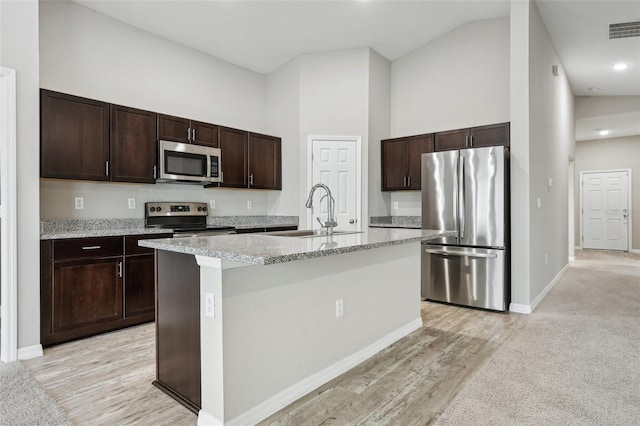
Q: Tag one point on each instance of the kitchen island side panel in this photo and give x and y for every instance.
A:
(275, 335)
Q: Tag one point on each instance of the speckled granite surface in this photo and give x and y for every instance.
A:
(53, 229)
(412, 222)
(247, 222)
(265, 249)
(84, 228)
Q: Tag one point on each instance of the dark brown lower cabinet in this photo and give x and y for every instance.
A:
(94, 285)
(178, 328)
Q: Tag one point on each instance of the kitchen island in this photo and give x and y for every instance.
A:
(279, 316)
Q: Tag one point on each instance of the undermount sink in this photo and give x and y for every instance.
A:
(309, 233)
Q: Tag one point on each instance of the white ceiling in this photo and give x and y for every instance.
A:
(262, 35)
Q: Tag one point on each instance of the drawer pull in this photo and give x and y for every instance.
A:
(91, 247)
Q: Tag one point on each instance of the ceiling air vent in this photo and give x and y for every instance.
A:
(624, 30)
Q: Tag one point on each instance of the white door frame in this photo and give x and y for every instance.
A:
(8, 215)
(358, 142)
(629, 205)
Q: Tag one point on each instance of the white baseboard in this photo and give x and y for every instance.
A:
(206, 419)
(527, 309)
(303, 387)
(636, 251)
(572, 258)
(519, 309)
(30, 352)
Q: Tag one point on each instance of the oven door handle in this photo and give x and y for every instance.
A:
(458, 254)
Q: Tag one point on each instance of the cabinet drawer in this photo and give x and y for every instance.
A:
(131, 243)
(79, 248)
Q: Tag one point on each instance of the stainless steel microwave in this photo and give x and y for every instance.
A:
(183, 162)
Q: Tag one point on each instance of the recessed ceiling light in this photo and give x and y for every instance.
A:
(620, 66)
(603, 132)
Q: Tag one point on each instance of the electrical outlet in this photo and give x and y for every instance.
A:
(79, 203)
(546, 259)
(395, 205)
(212, 204)
(339, 308)
(249, 204)
(131, 203)
(209, 309)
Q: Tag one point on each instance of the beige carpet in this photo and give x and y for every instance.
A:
(576, 361)
(24, 402)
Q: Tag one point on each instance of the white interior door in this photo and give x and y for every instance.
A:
(335, 163)
(605, 210)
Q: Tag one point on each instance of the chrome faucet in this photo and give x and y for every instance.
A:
(331, 222)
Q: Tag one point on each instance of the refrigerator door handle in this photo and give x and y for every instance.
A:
(462, 201)
(471, 255)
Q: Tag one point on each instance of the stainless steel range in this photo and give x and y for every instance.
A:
(186, 219)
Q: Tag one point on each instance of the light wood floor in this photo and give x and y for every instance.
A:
(106, 380)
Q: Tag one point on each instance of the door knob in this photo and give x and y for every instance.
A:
(352, 221)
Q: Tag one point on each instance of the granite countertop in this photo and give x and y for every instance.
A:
(265, 249)
(411, 222)
(54, 229)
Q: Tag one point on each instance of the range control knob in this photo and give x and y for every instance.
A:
(204, 208)
(199, 209)
(152, 209)
(159, 208)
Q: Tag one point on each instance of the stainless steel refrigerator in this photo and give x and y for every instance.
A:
(467, 191)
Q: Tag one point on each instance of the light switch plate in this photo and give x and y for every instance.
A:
(395, 205)
(131, 203)
(538, 202)
(249, 204)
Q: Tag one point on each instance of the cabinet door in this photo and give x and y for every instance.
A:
(265, 170)
(133, 145)
(418, 146)
(174, 129)
(139, 285)
(495, 134)
(204, 134)
(74, 137)
(452, 139)
(394, 163)
(86, 292)
(233, 151)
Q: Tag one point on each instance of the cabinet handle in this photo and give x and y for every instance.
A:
(188, 133)
(466, 140)
(409, 180)
(91, 247)
(154, 172)
(221, 177)
(120, 269)
(193, 138)
(106, 168)
(471, 140)
(250, 179)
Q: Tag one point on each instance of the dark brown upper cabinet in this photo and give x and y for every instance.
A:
(265, 164)
(491, 135)
(452, 139)
(234, 146)
(401, 161)
(250, 160)
(74, 138)
(183, 130)
(133, 145)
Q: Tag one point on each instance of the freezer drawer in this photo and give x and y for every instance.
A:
(464, 276)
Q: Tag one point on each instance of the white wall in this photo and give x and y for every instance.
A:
(283, 112)
(334, 93)
(542, 142)
(19, 51)
(88, 54)
(459, 80)
(595, 106)
(610, 154)
(379, 128)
